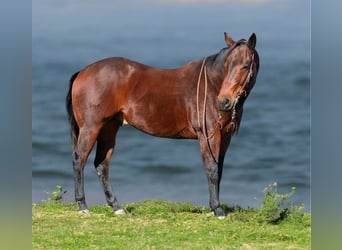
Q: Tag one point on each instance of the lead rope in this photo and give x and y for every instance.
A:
(197, 94)
(204, 126)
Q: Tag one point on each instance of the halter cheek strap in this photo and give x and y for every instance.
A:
(247, 79)
(243, 92)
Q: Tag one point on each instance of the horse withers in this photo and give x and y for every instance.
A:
(202, 100)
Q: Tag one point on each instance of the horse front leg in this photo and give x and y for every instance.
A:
(214, 172)
(213, 151)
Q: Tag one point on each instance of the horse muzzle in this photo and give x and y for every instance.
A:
(225, 104)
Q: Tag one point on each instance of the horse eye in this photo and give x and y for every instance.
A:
(246, 66)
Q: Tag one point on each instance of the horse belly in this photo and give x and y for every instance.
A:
(169, 124)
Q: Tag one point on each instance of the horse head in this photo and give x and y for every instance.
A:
(241, 66)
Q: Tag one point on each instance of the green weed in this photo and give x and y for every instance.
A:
(57, 195)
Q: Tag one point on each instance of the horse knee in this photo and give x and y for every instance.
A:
(212, 174)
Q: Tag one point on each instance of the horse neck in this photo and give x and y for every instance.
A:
(208, 83)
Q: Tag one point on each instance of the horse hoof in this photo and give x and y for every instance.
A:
(120, 212)
(221, 217)
(219, 213)
(84, 212)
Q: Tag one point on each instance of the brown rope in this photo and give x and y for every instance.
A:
(205, 103)
(197, 94)
(203, 128)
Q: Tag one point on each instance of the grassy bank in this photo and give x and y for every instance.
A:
(169, 225)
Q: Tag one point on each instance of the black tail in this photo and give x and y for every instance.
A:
(74, 129)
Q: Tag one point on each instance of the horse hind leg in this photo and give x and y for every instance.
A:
(104, 151)
(85, 142)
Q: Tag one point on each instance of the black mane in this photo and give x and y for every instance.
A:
(218, 57)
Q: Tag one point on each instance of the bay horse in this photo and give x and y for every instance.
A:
(202, 100)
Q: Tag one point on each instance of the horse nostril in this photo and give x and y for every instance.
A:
(225, 102)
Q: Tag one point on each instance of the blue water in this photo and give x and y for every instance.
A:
(273, 144)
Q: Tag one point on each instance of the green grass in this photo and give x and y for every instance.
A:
(168, 225)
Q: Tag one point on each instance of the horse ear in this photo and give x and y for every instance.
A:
(252, 41)
(228, 39)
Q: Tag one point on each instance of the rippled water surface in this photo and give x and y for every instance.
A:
(273, 144)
